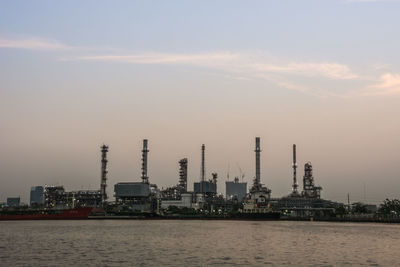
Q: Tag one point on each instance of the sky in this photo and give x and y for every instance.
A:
(323, 74)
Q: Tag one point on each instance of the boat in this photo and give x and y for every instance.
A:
(257, 205)
(47, 214)
(270, 215)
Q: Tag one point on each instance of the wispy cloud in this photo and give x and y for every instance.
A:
(244, 65)
(160, 58)
(34, 44)
(328, 70)
(389, 84)
(243, 62)
(298, 76)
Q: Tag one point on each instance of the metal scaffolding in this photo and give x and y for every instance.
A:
(183, 164)
(309, 188)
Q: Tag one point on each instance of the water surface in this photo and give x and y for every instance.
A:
(197, 243)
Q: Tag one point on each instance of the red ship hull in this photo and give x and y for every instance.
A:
(71, 214)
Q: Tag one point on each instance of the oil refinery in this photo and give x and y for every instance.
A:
(142, 198)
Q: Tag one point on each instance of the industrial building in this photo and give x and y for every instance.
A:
(204, 195)
(138, 196)
(187, 200)
(207, 187)
(133, 194)
(37, 196)
(259, 196)
(131, 189)
(13, 201)
(235, 190)
(308, 202)
(178, 196)
(175, 192)
(55, 197)
(142, 196)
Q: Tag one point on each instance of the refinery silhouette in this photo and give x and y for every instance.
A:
(143, 199)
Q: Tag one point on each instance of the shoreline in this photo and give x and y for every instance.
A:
(220, 218)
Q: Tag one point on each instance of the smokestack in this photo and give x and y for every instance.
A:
(258, 172)
(295, 185)
(203, 164)
(103, 182)
(145, 178)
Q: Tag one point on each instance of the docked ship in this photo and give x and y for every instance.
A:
(47, 214)
(257, 206)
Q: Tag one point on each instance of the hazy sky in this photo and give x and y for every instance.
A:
(322, 74)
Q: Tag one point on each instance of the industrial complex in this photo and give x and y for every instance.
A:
(144, 197)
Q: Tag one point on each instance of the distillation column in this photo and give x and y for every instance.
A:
(203, 164)
(183, 174)
(257, 180)
(203, 168)
(104, 171)
(145, 151)
(295, 185)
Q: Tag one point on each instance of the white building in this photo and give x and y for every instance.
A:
(188, 200)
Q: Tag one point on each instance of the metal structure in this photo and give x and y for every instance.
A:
(258, 171)
(138, 196)
(309, 202)
(183, 165)
(203, 164)
(295, 185)
(309, 188)
(202, 185)
(258, 199)
(83, 198)
(104, 171)
(54, 196)
(257, 186)
(175, 192)
(207, 187)
(145, 151)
